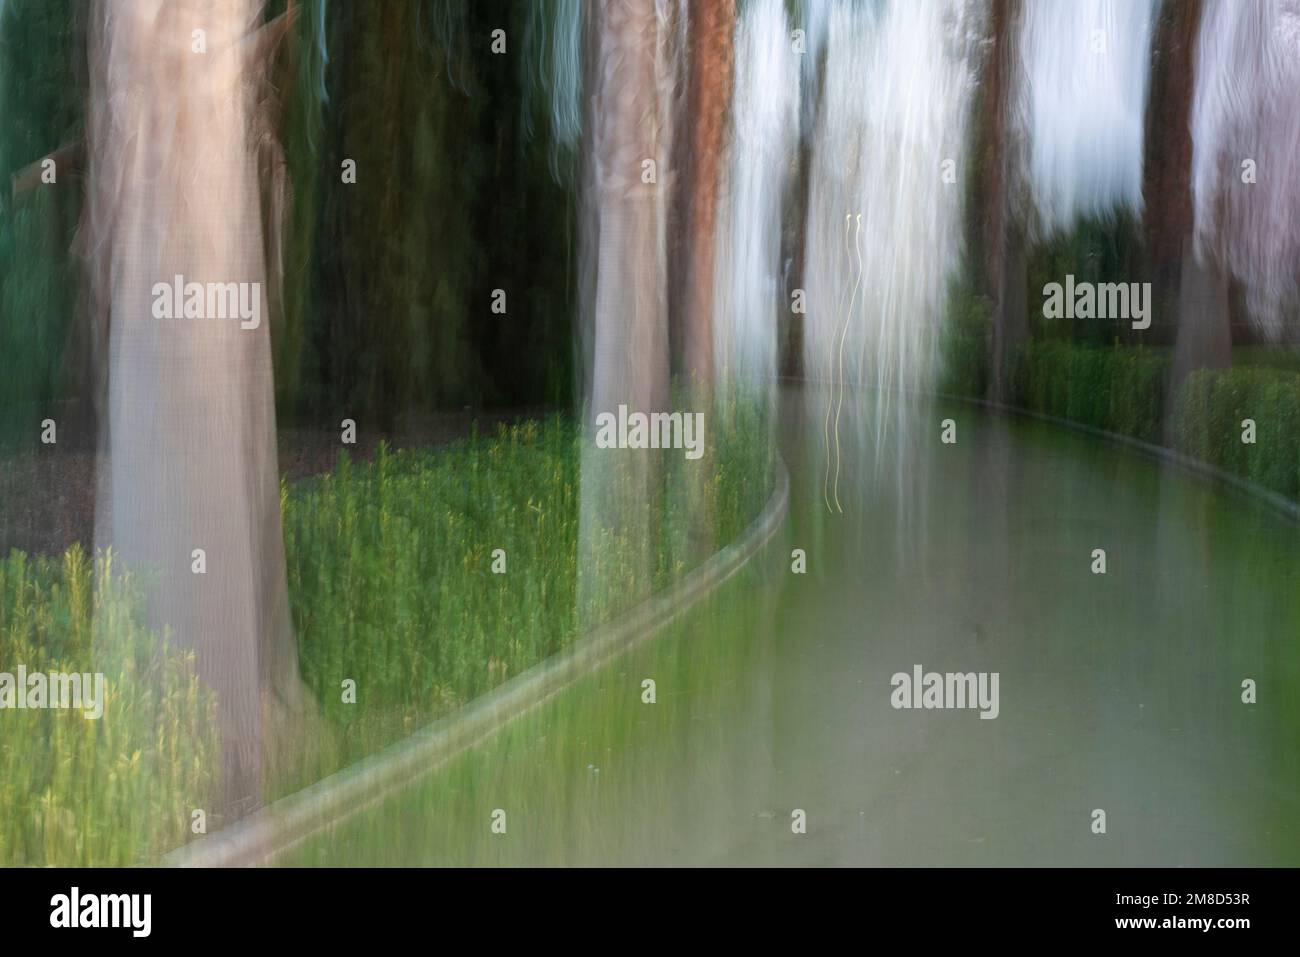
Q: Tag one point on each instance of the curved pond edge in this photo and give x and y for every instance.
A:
(279, 827)
(1163, 453)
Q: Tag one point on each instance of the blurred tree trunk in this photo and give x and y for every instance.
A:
(712, 28)
(626, 351)
(1167, 167)
(1196, 292)
(1204, 323)
(630, 357)
(173, 140)
(1005, 266)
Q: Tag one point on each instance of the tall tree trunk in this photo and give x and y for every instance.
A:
(191, 464)
(712, 27)
(1204, 323)
(630, 361)
(1198, 291)
(626, 348)
(1166, 186)
(710, 77)
(1004, 267)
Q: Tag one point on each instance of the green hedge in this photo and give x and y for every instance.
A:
(1208, 424)
(964, 343)
(1119, 388)
(1124, 389)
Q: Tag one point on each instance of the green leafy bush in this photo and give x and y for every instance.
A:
(1209, 413)
(1118, 389)
(112, 791)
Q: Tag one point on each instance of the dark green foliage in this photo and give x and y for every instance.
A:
(1119, 389)
(1123, 389)
(1211, 408)
(964, 341)
(1097, 251)
(388, 302)
(385, 305)
(41, 104)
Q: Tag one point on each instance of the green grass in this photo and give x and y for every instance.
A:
(391, 585)
(391, 566)
(568, 771)
(1271, 357)
(96, 792)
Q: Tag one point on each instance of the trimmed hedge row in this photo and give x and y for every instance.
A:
(1119, 389)
(1211, 408)
(1124, 389)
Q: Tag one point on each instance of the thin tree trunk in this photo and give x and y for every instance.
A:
(1004, 261)
(1166, 186)
(712, 25)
